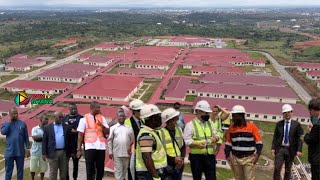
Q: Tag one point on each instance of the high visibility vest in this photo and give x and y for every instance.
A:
(202, 135)
(218, 127)
(128, 122)
(172, 146)
(93, 131)
(159, 156)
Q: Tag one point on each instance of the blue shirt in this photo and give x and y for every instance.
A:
(36, 148)
(17, 138)
(59, 136)
(181, 122)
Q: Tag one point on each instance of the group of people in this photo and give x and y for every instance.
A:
(151, 144)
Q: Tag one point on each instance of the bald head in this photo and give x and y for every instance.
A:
(58, 117)
(13, 112)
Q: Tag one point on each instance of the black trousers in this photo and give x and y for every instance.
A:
(203, 164)
(315, 172)
(283, 156)
(75, 167)
(95, 164)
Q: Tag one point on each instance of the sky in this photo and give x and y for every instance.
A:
(161, 3)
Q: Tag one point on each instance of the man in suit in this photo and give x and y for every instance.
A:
(286, 143)
(313, 138)
(55, 147)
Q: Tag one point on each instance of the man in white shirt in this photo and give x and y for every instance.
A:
(93, 129)
(119, 143)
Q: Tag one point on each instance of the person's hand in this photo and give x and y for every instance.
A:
(79, 153)
(299, 154)
(219, 107)
(100, 124)
(73, 130)
(215, 139)
(229, 160)
(129, 151)
(310, 127)
(273, 152)
(111, 156)
(27, 154)
(44, 157)
(178, 161)
(202, 144)
(255, 159)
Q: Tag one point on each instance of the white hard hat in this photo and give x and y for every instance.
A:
(203, 105)
(149, 110)
(169, 114)
(136, 104)
(286, 108)
(238, 109)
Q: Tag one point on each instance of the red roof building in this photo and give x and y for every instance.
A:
(110, 87)
(84, 57)
(199, 70)
(163, 65)
(5, 107)
(98, 61)
(88, 69)
(262, 111)
(37, 87)
(17, 67)
(214, 50)
(107, 47)
(303, 67)
(146, 73)
(189, 40)
(58, 75)
(23, 63)
(313, 75)
(243, 80)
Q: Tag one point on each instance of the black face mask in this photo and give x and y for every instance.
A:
(205, 117)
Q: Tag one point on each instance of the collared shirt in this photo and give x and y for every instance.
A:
(138, 122)
(187, 136)
(36, 149)
(120, 140)
(181, 122)
(98, 144)
(59, 136)
(17, 138)
(284, 132)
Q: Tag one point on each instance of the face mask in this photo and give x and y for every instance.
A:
(314, 120)
(205, 117)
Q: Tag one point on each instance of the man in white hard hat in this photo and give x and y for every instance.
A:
(201, 137)
(151, 158)
(286, 143)
(243, 141)
(135, 122)
(172, 139)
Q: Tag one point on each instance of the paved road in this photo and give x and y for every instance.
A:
(303, 94)
(31, 75)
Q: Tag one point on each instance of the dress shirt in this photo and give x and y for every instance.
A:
(120, 140)
(59, 136)
(284, 132)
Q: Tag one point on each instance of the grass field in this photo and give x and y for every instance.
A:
(312, 51)
(101, 53)
(231, 44)
(190, 98)
(4, 95)
(149, 92)
(183, 72)
(7, 78)
(222, 173)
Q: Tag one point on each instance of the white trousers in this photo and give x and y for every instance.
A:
(121, 165)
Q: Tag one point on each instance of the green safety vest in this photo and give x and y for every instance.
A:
(159, 156)
(172, 146)
(218, 126)
(202, 135)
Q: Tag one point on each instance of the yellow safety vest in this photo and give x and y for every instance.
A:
(218, 127)
(172, 146)
(202, 135)
(128, 122)
(159, 156)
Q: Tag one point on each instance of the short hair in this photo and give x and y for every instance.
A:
(72, 104)
(176, 104)
(314, 104)
(94, 104)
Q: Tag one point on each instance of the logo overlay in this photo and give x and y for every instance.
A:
(22, 98)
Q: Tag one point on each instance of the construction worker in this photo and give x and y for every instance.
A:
(244, 142)
(219, 116)
(172, 140)
(135, 123)
(151, 158)
(201, 137)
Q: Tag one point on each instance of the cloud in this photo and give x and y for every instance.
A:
(206, 3)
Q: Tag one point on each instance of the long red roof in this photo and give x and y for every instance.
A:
(37, 85)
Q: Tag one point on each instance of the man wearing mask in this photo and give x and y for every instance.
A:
(171, 137)
(55, 147)
(17, 140)
(219, 116)
(201, 137)
(244, 143)
(72, 121)
(286, 143)
(36, 162)
(135, 122)
(93, 129)
(180, 121)
(312, 138)
(151, 156)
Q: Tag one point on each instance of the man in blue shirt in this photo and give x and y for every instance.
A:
(180, 122)
(17, 139)
(55, 147)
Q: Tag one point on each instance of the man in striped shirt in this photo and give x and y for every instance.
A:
(244, 143)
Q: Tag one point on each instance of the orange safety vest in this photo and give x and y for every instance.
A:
(93, 131)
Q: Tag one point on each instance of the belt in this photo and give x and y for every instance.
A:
(60, 149)
(243, 155)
